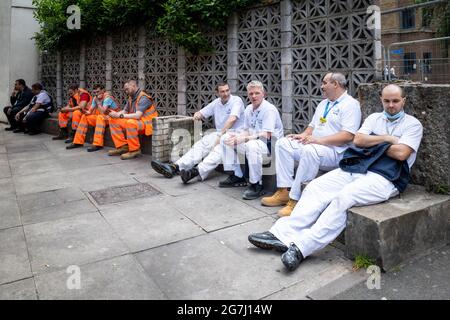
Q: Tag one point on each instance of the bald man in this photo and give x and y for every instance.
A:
(393, 138)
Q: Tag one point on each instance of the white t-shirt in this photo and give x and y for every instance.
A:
(266, 118)
(408, 129)
(221, 112)
(344, 115)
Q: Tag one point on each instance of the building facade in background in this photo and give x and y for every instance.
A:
(419, 61)
(18, 53)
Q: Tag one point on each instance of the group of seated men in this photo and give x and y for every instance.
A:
(29, 107)
(365, 165)
(102, 110)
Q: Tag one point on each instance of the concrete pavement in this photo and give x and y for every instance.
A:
(62, 208)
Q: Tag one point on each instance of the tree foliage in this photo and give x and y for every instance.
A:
(182, 21)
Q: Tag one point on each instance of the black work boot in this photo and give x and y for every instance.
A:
(266, 240)
(233, 181)
(292, 257)
(254, 191)
(188, 175)
(168, 170)
(94, 148)
(71, 136)
(61, 135)
(73, 146)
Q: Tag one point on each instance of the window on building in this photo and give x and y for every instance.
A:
(427, 62)
(408, 18)
(409, 63)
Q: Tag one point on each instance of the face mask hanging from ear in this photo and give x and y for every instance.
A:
(394, 117)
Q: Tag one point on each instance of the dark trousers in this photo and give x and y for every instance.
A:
(11, 117)
(34, 120)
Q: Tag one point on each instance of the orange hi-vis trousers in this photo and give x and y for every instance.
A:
(63, 119)
(99, 122)
(132, 127)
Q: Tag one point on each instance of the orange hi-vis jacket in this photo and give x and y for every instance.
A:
(77, 98)
(96, 111)
(148, 115)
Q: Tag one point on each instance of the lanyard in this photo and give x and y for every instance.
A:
(323, 119)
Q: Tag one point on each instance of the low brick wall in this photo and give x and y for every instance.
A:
(173, 136)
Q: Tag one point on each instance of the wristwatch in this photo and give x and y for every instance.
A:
(121, 115)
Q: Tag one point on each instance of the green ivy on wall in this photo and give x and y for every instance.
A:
(182, 21)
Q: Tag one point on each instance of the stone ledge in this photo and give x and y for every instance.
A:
(50, 126)
(400, 228)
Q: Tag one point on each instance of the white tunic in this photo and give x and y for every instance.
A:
(321, 214)
(221, 112)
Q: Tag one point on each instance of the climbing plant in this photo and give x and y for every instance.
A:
(185, 22)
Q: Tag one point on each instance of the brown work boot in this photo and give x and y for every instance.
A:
(287, 210)
(118, 151)
(279, 198)
(130, 155)
(62, 134)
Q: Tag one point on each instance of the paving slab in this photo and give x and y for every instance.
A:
(24, 147)
(7, 188)
(96, 178)
(25, 167)
(14, 256)
(55, 212)
(40, 155)
(174, 186)
(120, 278)
(46, 199)
(41, 182)
(19, 290)
(301, 290)
(215, 211)
(9, 213)
(269, 262)
(76, 240)
(2, 149)
(149, 222)
(5, 171)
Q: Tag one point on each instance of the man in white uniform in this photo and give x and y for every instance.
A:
(321, 214)
(228, 113)
(262, 125)
(320, 146)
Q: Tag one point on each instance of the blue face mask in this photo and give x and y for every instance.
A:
(394, 117)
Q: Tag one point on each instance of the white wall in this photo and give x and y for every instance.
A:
(18, 54)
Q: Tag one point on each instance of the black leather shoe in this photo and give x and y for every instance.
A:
(10, 129)
(233, 181)
(268, 241)
(94, 148)
(254, 191)
(168, 170)
(292, 258)
(73, 146)
(188, 175)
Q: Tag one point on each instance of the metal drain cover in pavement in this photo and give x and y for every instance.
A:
(123, 193)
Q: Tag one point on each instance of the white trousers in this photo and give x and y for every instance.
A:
(199, 150)
(256, 152)
(321, 214)
(310, 157)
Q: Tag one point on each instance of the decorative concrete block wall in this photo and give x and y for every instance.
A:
(288, 45)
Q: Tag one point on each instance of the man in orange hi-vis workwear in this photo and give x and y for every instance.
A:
(97, 116)
(134, 119)
(79, 102)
